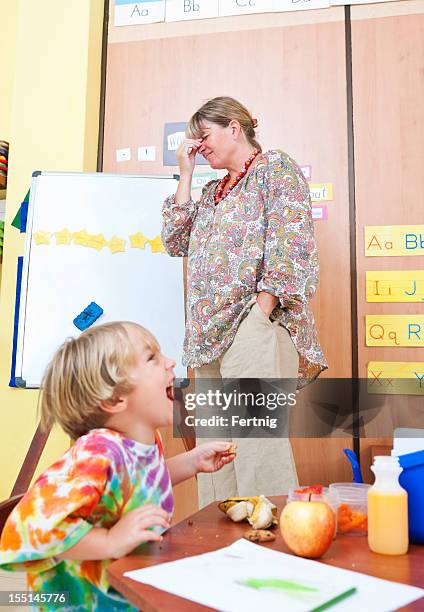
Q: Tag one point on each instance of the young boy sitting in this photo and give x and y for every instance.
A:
(110, 389)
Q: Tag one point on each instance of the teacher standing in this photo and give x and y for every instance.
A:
(252, 269)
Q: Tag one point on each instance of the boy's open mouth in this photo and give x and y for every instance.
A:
(170, 392)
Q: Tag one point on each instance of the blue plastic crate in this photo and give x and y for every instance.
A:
(412, 480)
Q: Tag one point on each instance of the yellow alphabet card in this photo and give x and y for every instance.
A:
(394, 330)
(394, 240)
(396, 377)
(395, 286)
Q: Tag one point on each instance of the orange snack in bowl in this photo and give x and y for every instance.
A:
(350, 520)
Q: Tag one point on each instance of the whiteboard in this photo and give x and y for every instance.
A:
(70, 217)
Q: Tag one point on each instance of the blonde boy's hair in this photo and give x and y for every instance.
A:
(87, 370)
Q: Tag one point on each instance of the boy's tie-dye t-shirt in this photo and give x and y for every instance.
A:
(100, 478)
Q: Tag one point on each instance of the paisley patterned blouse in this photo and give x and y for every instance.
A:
(260, 237)
(100, 478)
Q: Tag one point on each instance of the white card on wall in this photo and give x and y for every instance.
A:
(146, 153)
(299, 5)
(128, 12)
(123, 155)
(174, 140)
(181, 10)
(307, 172)
(343, 2)
(244, 7)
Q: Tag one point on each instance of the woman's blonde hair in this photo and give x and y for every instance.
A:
(221, 111)
(87, 370)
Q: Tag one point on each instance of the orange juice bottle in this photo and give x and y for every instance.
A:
(387, 509)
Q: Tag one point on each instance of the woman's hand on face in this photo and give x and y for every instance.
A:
(186, 155)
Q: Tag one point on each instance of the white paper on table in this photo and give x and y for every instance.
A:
(212, 579)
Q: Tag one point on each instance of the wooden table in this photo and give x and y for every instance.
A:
(210, 529)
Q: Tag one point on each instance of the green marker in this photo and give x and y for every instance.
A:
(296, 590)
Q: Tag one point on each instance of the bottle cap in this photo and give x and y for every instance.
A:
(387, 464)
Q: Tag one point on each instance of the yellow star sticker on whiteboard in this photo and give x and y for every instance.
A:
(96, 241)
(116, 245)
(157, 245)
(138, 240)
(81, 238)
(41, 237)
(64, 236)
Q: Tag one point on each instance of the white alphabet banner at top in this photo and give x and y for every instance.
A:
(181, 10)
(244, 7)
(128, 12)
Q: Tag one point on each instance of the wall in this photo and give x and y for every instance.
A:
(8, 21)
(388, 87)
(8, 17)
(52, 100)
(289, 69)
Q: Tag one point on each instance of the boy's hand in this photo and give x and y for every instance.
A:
(133, 529)
(212, 456)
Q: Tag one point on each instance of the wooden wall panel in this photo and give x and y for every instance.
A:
(388, 85)
(292, 78)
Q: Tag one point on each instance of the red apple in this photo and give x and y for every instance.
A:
(307, 527)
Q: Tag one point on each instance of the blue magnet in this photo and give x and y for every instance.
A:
(88, 316)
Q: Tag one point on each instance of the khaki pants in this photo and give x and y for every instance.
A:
(261, 349)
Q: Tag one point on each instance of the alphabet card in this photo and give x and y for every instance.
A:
(128, 12)
(299, 5)
(395, 330)
(395, 286)
(394, 240)
(244, 7)
(182, 10)
(395, 377)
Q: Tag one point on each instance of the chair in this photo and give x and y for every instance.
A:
(25, 475)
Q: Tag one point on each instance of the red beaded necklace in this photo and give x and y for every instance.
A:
(220, 189)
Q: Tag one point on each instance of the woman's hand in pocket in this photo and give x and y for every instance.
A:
(266, 302)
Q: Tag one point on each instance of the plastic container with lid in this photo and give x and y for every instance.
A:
(326, 496)
(352, 512)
